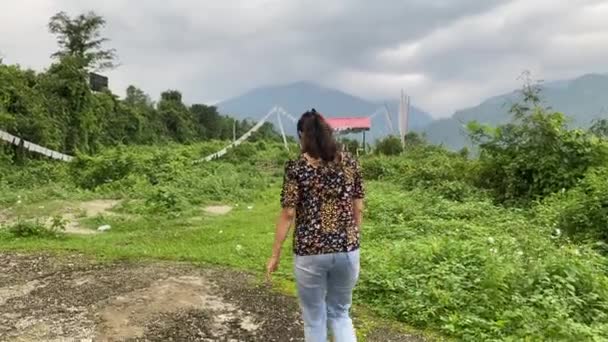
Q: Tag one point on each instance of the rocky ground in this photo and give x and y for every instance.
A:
(70, 298)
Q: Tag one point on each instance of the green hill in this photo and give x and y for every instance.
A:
(582, 99)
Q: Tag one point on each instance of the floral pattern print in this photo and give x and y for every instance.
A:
(323, 199)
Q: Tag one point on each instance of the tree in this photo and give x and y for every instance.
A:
(80, 37)
(599, 127)
(209, 121)
(70, 101)
(137, 97)
(140, 104)
(22, 107)
(536, 154)
(176, 117)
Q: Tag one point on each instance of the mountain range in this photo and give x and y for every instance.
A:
(297, 98)
(582, 99)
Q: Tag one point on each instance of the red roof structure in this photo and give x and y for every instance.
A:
(351, 124)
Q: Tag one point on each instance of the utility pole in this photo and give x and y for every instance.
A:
(406, 118)
(234, 130)
(401, 112)
(404, 110)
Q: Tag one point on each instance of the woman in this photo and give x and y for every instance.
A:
(322, 191)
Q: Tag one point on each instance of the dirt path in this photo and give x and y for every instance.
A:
(44, 298)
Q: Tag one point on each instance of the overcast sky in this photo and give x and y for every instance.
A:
(447, 54)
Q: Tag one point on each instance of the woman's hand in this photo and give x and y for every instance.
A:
(271, 267)
(283, 222)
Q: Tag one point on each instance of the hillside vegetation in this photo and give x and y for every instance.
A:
(583, 99)
(509, 245)
(438, 251)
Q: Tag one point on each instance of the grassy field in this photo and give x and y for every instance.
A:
(437, 254)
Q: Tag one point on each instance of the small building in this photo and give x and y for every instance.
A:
(347, 125)
(98, 82)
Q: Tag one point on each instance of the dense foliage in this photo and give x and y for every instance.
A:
(438, 253)
(508, 246)
(57, 109)
(536, 154)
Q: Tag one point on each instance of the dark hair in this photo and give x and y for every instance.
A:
(317, 137)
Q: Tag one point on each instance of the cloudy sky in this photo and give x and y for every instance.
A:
(447, 54)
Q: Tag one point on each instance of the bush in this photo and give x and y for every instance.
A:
(426, 167)
(165, 200)
(379, 167)
(581, 212)
(91, 172)
(389, 146)
(535, 155)
(478, 272)
(28, 229)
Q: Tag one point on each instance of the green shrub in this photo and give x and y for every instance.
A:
(30, 229)
(91, 172)
(425, 166)
(165, 200)
(536, 154)
(389, 146)
(478, 272)
(379, 167)
(581, 212)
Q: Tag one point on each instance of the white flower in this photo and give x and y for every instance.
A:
(557, 232)
(493, 250)
(239, 248)
(19, 202)
(520, 253)
(491, 240)
(221, 232)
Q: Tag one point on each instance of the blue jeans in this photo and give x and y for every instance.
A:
(325, 287)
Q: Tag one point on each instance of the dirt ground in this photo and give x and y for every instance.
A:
(71, 215)
(45, 298)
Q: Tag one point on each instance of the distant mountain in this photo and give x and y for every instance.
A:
(582, 100)
(296, 98)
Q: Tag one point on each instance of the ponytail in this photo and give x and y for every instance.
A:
(317, 136)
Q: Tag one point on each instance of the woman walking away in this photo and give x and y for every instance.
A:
(322, 190)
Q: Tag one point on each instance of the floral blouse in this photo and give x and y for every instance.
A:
(323, 198)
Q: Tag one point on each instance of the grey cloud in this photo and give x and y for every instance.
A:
(459, 51)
